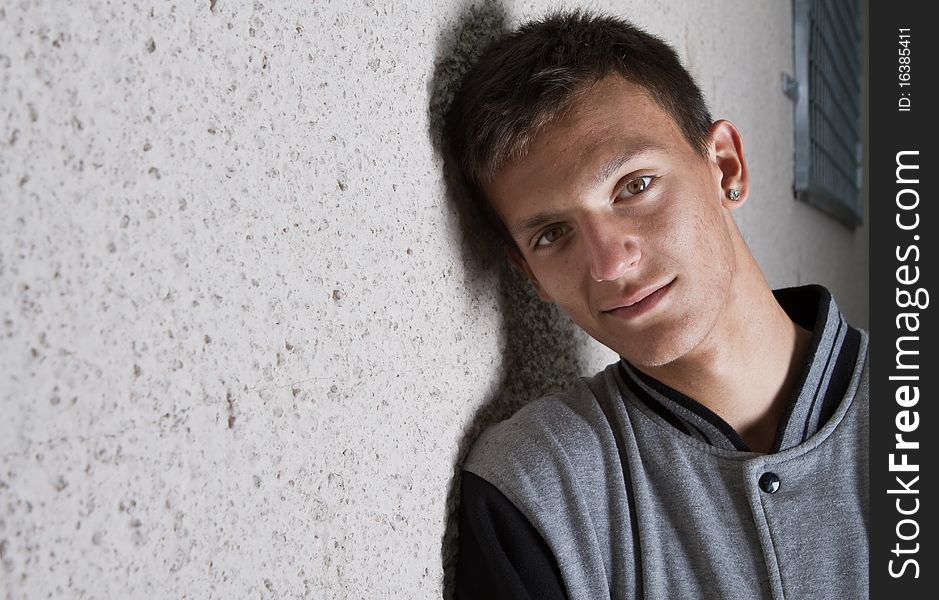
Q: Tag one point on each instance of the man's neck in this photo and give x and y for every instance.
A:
(747, 368)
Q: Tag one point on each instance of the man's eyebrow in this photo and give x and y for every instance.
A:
(626, 155)
(535, 222)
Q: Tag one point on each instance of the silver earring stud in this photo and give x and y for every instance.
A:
(733, 194)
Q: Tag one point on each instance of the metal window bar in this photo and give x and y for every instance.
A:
(827, 40)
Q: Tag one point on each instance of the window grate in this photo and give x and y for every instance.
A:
(828, 67)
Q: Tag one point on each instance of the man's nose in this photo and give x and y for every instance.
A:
(611, 250)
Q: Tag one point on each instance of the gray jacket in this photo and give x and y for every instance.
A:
(634, 502)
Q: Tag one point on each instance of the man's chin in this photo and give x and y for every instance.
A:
(659, 351)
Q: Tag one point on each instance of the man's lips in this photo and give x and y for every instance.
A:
(638, 301)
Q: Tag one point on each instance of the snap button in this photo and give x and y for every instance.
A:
(769, 482)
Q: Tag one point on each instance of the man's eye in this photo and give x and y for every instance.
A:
(550, 236)
(636, 185)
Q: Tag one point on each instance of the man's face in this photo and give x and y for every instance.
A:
(621, 222)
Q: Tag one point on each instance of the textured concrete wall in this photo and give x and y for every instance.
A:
(244, 336)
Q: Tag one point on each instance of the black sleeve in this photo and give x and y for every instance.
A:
(501, 555)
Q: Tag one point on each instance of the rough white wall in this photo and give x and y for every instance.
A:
(245, 339)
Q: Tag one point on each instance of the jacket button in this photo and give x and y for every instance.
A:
(769, 482)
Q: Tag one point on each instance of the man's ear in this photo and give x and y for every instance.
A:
(519, 263)
(726, 152)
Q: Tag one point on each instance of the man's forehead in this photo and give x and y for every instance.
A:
(613, 111)
(583, 161)
(611, 93)
(611, 123)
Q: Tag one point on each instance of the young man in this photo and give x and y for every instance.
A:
(725, 455)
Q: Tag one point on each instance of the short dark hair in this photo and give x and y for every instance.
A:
(528, 77)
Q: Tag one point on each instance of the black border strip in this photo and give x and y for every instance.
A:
(893, 130)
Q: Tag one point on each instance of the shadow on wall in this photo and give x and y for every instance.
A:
(541, 351)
